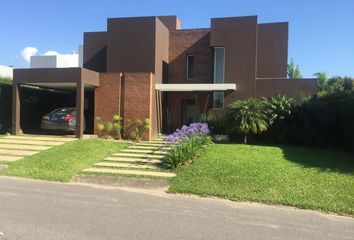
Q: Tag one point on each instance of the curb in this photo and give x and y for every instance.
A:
(117, 181)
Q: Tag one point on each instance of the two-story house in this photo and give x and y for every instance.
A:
(148, 67)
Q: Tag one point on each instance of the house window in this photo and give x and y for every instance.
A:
(219, 75)
(219, 64)
(218, 99)
(190, 67)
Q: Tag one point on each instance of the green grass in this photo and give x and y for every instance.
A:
(62, 162)
(5, 80)
(303, 177)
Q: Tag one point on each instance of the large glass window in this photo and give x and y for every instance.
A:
(190, 67)
(219, 75)
(219, 64)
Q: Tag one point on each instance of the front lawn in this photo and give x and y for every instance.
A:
(303, 177)
(62, 162)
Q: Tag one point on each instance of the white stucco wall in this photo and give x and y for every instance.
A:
(65, 61)
(43, 62)
(6, 71)
(52, 59)
(81, 56)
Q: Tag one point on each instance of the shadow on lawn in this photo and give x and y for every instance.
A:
(329, 160)
(324, 159)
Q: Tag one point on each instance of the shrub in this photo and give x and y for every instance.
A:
(117, 126)
(109, 129)
(188, 142)
(320, 121)
(138, 128)
(215, 120)
(248, 116)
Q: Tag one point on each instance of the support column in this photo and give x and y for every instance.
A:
(80, 92)
(15, 109)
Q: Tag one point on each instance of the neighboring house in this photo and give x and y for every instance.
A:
(6, 71)
(52, 59)
(147, 67)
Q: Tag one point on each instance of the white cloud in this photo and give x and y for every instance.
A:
(51, 53)
(27, 52)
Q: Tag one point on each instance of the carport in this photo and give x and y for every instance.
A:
(77, 79)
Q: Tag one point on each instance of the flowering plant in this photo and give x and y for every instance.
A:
(188, 140)
(186, 132)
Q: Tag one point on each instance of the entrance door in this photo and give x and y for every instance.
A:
(189, 111)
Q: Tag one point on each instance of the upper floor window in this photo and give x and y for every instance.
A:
(219, 64)
(219, 75)
(190, 67)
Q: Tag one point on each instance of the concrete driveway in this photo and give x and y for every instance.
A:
(38, 210)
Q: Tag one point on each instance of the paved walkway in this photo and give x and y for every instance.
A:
(13, 148)
(141, 159)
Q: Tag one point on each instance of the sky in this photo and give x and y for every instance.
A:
(321, 32)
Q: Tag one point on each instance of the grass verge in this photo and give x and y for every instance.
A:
(62, 162)
(302, 177)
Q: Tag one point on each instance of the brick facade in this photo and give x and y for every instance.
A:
(108, 96)
(194, 42)
(137, 99)
(154, 50)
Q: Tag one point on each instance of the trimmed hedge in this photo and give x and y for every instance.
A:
(321, 121)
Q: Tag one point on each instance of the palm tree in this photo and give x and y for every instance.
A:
(248, 116)
(322, 81)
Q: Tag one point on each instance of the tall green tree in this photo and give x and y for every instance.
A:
(248, 116)
(293, 70)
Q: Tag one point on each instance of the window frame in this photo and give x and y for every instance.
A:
(214, 78)
(187, 66)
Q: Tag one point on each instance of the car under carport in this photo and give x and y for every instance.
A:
(74, 79)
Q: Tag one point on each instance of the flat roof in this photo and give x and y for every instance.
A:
(56, 78)
(190, 87)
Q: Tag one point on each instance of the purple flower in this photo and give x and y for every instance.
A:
(186, 132)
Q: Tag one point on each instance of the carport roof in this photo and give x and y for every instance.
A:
(58, 78)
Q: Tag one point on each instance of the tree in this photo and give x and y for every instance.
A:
(248, 116)
(294, 70)
(348, 83)
(322, 81)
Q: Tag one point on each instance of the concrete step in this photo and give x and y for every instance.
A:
(129, 172)
(23, 147)
(147, 144)
(144, 147)
(42, 138)
(126, 165)
(138, 155)
(17, 152)
(159, 142)
(136, 160)
(143, 151)
(9, 158)
(151, 147)
(29, 142)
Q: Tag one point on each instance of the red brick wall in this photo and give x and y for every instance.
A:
(107, 96)
(137, 99)
(194, 42)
